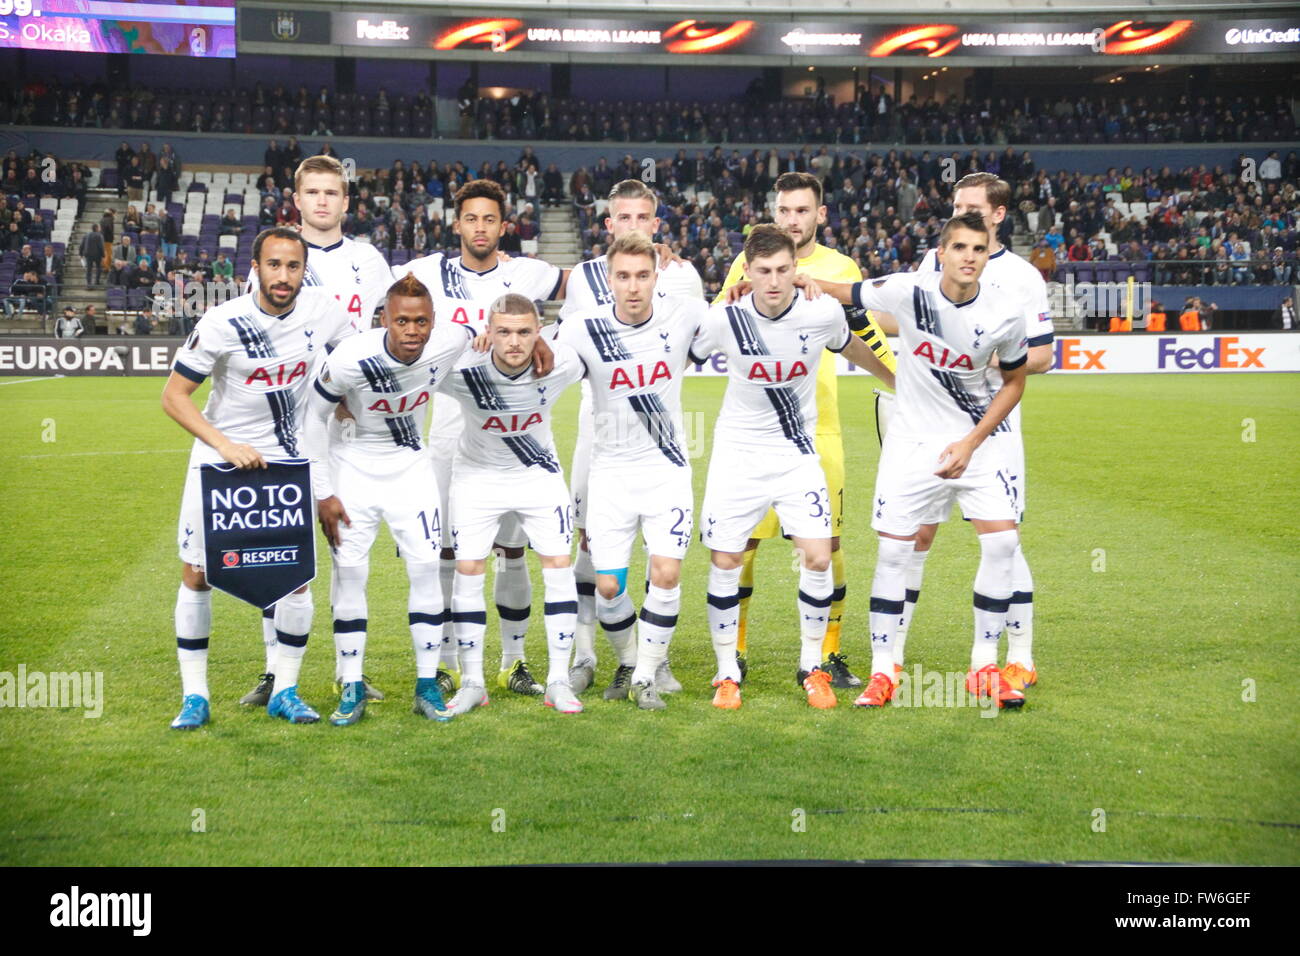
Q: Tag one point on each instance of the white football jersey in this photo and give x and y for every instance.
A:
(1006, 270)
(465, 297)
(508, 417)
(589, 286)
(389, 398)
(944, 350)
(261, 367)
(635, 374)
(354, 272)
(771, 400)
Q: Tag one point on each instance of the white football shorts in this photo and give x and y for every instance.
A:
(743, 485)
(407, 500)
(909, 494)
(442, 450)
(657, 501)
(538, 505)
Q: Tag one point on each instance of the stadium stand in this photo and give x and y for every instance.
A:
(873, 117)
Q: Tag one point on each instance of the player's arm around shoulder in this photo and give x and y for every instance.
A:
(707, 338)
(735, 275)
(569, 367)
(864, 322)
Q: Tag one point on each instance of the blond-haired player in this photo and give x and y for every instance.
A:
(633, 207)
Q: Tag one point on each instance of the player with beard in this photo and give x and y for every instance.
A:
(464, 288)
(258, 349)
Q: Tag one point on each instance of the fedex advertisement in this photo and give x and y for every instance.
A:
(1138, 353)
(177, 28)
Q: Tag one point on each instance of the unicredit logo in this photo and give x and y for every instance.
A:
(385, 30)
(1234, 36)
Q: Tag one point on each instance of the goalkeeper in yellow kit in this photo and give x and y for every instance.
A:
(800, 212)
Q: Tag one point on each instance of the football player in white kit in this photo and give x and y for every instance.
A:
(632, 206)
(763, 450)
(383, 473)
(355, 273)
(258, 349)
(950, 326)
(635, 351)
(506, 466)
(990, 196)
(464, 289)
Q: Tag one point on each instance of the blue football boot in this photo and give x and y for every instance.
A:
(352, 704)
(291, 707)
(194, 713)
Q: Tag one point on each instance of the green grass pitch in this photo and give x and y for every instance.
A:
(1163, 547)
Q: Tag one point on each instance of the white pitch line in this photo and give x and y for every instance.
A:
(85, 454)
(43, 378)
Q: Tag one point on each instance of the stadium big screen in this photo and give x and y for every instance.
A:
(507, 434)
(195, 28)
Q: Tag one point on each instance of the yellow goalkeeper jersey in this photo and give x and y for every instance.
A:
(832, 266)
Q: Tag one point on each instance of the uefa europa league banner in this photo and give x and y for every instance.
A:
(260, 529)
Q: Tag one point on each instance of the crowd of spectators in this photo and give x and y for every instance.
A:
(31, 263)
(277, 111)
(408, 206)
(25, 181)
(1191, 226)
(1234, 226)
(873, 116)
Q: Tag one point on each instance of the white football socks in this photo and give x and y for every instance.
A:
(724, 617)
(293, 616)
(992, 595)
(561, 596)
(446, 578)
(513, 592)
(616, 617)
(915, 574)
(469, 624)
(654, 630)
(584, 639)
(268, 637)
(888, 589)
(193, 626)
(814, 611)
(426, 615)
(1020, 615)
(350, 614)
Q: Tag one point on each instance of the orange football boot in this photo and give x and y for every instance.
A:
(727, 696)
(818, 686)
(880, 689)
